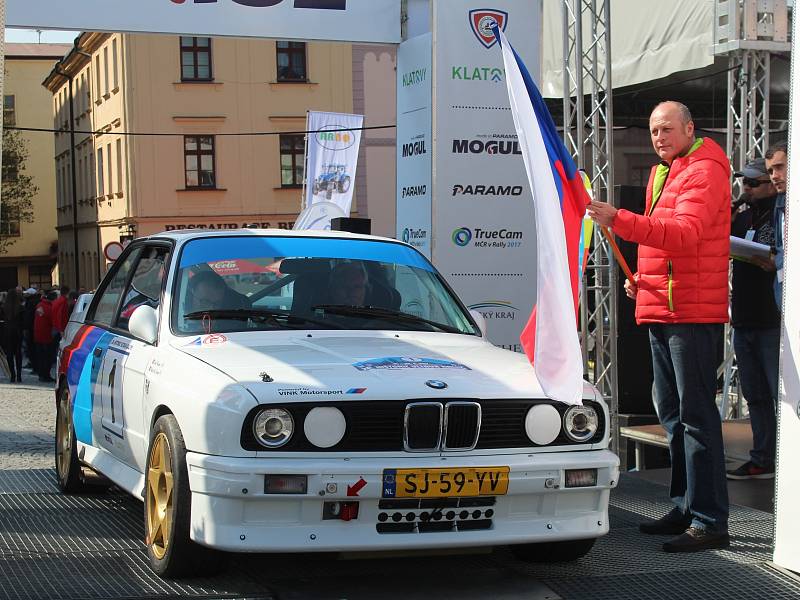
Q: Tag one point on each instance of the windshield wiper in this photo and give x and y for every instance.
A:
(263, 314)
(383, 313)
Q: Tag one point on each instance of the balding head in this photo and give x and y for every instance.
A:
(671, 130)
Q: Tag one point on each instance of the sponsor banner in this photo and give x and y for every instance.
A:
(393, 363)
(787, 480)
(414, 151)
(341, 20)
(484, 231)
(332, 158)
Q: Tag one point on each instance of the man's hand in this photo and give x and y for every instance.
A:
(767, 264)
(631, 289)
(602, 213)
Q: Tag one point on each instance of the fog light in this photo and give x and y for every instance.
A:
(285, 484)
(580, 478)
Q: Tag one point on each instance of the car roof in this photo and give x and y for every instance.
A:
(184, 235)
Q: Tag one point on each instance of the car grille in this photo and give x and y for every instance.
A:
(380, 426)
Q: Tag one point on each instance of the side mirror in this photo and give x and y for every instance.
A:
(143, 324)
(83, 302)
(478, 318)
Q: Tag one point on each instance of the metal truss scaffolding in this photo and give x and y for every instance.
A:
(588, 134)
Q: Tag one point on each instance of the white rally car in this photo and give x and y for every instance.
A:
(308, 391)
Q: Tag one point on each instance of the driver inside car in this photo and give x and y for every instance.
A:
(349, 284)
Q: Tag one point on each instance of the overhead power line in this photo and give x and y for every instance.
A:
(173, 134)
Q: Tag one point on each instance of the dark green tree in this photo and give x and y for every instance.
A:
(18, 190)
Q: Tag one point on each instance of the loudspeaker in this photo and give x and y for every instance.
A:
(634, 365)
(351, 224)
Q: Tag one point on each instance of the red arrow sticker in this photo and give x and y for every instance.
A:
(352, 490)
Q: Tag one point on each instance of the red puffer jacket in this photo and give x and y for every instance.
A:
(684, 242)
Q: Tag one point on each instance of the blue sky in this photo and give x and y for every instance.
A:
(30, 36)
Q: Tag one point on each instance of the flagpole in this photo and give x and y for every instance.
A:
(617, 253)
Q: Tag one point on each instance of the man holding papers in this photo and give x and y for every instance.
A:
(756, 320)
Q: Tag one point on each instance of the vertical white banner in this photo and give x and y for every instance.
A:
(414, 152)
(483, 220)
(787, 492)
(332, 158)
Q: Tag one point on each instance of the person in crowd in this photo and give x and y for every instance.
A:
(777, 159)
(44, 334)
(681, 293)
(31, 300)
(61, 311)
(72, 300)
(13, 333)
(348, 284)
(756, 320)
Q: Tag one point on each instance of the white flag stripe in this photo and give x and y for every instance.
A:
(557, 362)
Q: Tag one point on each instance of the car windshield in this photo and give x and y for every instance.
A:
(227, 284)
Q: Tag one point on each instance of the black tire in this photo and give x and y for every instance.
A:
(552, 552)
(68, 467)
(171, 552)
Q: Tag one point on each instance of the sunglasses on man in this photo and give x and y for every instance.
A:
(753, 183)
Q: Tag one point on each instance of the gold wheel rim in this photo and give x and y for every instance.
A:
(159, 496)
(63, 437)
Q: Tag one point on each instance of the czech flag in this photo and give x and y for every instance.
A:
(550, 338)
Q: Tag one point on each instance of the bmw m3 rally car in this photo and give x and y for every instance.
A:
(285, 391)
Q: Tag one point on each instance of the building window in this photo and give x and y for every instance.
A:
(292, 152)
(115, 69)
(110, 173)
(9, 111)
(119, 166)
(39, 276)
(101, 188)
(195, 58)
(105, 71)
(198, 151)
(9, 222)
(97, 92)
(291, 58)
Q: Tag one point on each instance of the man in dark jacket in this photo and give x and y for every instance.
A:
(756, 321)
(681, 292)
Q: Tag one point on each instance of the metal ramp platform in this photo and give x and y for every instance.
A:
(89, 547)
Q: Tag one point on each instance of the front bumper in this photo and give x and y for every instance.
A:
(231, 511)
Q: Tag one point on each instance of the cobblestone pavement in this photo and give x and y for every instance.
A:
(27, 423)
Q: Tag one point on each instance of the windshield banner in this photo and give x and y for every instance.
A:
(332, 158)
(376, 21)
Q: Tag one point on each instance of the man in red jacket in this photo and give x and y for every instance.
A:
(681, 292)
(61, 310)
(43, 333)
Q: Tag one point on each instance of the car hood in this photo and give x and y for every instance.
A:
(305, 366)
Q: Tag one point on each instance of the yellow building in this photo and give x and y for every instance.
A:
(168, 152)
(31, 257)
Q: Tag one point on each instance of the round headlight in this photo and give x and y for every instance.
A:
(543, 424)
(580, 423)
(324, 426)
(273, 427)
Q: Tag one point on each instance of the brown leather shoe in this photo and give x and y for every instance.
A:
(696, 539)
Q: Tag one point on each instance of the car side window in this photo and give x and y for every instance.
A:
(106, 307)
(146, 283)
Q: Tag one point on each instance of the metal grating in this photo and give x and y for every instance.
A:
(70, 547)
(28, 481)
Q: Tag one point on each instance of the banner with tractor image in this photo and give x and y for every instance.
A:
(332, 158)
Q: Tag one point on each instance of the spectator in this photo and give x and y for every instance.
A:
(777, 161)
(13, 333)
(32, 298)
(44, 334)
(61, 311)
(681, 292)
(756, 321)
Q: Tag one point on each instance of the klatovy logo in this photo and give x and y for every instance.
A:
(481, 20)
(462, 236)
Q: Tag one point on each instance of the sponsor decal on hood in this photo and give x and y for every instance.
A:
(405, 362)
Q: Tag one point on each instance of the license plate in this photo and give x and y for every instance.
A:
(445, 483)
